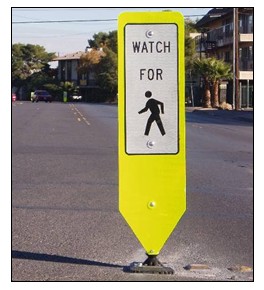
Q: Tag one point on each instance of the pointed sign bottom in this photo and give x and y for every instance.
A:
(153, 209)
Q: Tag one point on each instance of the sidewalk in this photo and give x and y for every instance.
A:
(246, 115)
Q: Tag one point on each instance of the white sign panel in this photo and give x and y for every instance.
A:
(151, 89)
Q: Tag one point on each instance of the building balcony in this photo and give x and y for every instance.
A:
(223, 36)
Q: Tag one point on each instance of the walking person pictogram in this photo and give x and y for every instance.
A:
(153, 106)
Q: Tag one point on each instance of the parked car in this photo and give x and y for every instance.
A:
(41, 95)
(13, 97)
(76, 98)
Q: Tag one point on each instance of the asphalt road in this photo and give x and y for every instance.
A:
(65, 220)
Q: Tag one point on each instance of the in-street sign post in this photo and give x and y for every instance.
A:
(151, 112)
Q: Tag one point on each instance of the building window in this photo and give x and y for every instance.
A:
(62, 70)
(69, 70)
(246, 23)
(246, 58)
(227, 57)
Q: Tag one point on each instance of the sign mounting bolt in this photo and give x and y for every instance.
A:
(152, 204)
(150, 144)
(149, 33)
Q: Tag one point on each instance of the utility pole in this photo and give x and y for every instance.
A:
(236, 91)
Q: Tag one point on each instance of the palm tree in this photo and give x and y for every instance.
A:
(67, 86)
(213, 72)
(220, 70)
(202, 67)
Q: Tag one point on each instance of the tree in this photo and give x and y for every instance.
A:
(212, 72)
(107, 73)
(68, 87)
(220, 70)
(28, 59)
(103, 39)
(190, 50)
(106, 69)
(89, 61)
(202, 68)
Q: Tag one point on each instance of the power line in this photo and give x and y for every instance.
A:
(61, 21)
(82, 20)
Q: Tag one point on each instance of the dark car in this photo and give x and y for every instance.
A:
(41, 95)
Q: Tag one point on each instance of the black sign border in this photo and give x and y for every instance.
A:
(177, 101)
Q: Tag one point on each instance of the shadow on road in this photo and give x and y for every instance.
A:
(59, 259)
(240, 118)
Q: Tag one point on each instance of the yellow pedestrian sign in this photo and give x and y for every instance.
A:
(151, 130)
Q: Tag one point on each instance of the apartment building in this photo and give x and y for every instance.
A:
(217, 38)
(68, 70)
(85, 83)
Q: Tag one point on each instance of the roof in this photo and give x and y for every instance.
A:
(212, 15)
(70, 56)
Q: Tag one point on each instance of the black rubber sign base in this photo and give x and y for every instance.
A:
(151, 266)
(139, 268)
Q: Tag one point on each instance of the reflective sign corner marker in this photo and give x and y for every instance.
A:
(151, 124)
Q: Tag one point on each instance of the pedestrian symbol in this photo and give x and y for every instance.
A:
(153, 106)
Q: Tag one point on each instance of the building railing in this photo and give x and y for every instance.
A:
(221, 36)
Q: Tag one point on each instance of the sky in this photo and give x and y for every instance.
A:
(68, 37)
